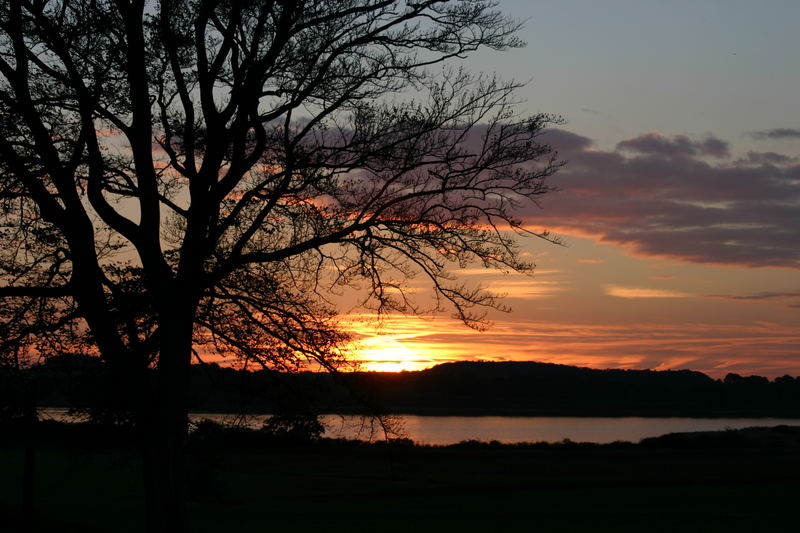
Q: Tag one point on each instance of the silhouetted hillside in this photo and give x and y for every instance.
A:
(467, 388)
(539, 388)
(532, 369)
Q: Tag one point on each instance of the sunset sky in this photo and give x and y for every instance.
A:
(679, 205)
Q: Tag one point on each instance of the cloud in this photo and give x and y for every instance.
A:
(660, 196)
(483, 272)
(566, 141)
(642, 292)
(527, 288)
(776, 133)
(654, 143)
(766, 295)
(766, 158)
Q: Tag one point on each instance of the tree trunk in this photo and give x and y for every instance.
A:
(165, 498)
(29, 467)
(165, 431)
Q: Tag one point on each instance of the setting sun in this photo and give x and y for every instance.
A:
(386, 354)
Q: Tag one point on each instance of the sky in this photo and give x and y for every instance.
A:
(679, 204)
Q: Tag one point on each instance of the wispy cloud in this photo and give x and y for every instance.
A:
(494, 272)
(528, 288)
(642, 292)
(776, 133)
(765, 295)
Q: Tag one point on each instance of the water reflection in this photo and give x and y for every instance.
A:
(507, 429)
(445, 430)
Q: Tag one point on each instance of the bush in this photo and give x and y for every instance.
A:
(295, 427)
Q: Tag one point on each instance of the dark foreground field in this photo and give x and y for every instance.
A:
(735, 481)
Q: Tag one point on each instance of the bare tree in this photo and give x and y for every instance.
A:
(186, 175)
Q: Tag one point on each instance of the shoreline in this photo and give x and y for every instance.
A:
(208, 432)
(508, 413)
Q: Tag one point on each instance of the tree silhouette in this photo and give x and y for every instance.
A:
(186, 176)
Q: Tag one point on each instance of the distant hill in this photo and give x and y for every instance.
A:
(465, 388)
(535, 370)
(539, 388)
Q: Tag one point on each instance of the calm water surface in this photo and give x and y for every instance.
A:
(451, 429)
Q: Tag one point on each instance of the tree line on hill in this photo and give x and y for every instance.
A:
(462, 388)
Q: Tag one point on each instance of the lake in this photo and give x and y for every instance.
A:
(507, 429)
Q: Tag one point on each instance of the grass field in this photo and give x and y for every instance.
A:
(416, 489)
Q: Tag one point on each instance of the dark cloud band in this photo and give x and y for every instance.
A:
(777, 133)
(758, 296)
(663, 196)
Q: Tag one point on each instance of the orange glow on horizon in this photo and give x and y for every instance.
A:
(384, 353)
(401, 343)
